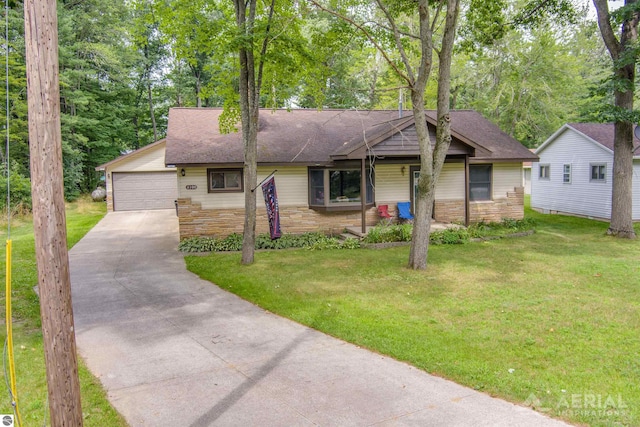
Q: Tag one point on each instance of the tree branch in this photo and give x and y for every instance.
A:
(263, 51)
(368, 36)
(398, 40)
(609, 37)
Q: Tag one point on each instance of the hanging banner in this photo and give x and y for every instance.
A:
(271, 202)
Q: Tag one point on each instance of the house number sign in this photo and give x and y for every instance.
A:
(191, 187)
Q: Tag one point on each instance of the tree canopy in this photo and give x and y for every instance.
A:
(123, 64)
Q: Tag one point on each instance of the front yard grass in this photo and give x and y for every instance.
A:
(550, 319)
(28, 346)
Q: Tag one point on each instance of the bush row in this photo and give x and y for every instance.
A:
(380, 234)
(455, 235)
(316, 241)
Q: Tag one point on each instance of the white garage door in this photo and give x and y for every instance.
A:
(144, 190)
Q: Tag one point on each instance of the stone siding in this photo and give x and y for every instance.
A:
(109, 200)
(494, 210)
(195, 221)
(511, 207)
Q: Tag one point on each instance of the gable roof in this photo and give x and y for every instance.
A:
(313, 137)
(601, 134)
(158, 144)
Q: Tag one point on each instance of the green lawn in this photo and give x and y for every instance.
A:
(553, 316)
(28, 347)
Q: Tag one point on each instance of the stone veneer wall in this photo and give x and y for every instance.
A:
(195, 221)
(109, 201)
(495, 210)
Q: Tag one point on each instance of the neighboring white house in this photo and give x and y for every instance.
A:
(140, 180)
(574, 174)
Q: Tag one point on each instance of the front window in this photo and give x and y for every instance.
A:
(337, 187)
(480, 182)
(344, 186)
(598, 172)
(225, 180)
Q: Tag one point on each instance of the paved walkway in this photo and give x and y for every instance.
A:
(173, 350)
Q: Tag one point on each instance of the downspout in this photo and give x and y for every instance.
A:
(363, 195)
(467, 205)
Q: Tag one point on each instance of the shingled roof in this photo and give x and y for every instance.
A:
(312, 137)
(602, 133)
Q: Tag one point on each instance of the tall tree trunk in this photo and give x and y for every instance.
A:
(621, 224)
(49, 221)
(249, 113)
(198, 92)
(624, 58)
(432, 160)
(151, 111)
(250, 85)
(425, 192)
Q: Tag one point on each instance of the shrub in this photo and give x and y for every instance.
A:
(403, 232)
(263, 241)
(390, 233)
(450, 236)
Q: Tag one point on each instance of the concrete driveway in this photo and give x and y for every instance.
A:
(173, 350)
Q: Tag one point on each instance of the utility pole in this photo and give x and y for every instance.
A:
(49, 220)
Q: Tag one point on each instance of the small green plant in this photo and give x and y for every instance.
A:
(389, 233)
(450, 236)
(263, 241)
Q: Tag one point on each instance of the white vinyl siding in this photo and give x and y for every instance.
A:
(506, 177)
(151, 159)
(451, 182)
(526, 180)
(584, 196)
(390, 184)
(291, 185)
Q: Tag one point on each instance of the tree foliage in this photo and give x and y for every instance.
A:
(123, 64)
(532, 80)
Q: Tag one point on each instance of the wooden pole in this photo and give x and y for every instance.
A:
(363, 196)
(49, 221)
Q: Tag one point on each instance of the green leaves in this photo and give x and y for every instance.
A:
(537, 12)
(485, 24)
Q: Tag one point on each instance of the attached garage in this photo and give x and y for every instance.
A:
(134, 191)
(140, 180)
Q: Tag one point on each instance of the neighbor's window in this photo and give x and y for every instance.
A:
(480, 182)
(566, 174)
(225, 180)
(598, 172)
(337, 187)
(544, 172)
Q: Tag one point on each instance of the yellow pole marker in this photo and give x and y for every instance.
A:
(9, 322)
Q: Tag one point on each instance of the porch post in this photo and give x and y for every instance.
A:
(466, 191)
(363, 194)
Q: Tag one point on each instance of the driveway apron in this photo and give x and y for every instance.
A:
(174, 350)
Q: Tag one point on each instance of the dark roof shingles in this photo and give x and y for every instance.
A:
(312, 136)
(602, 133)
